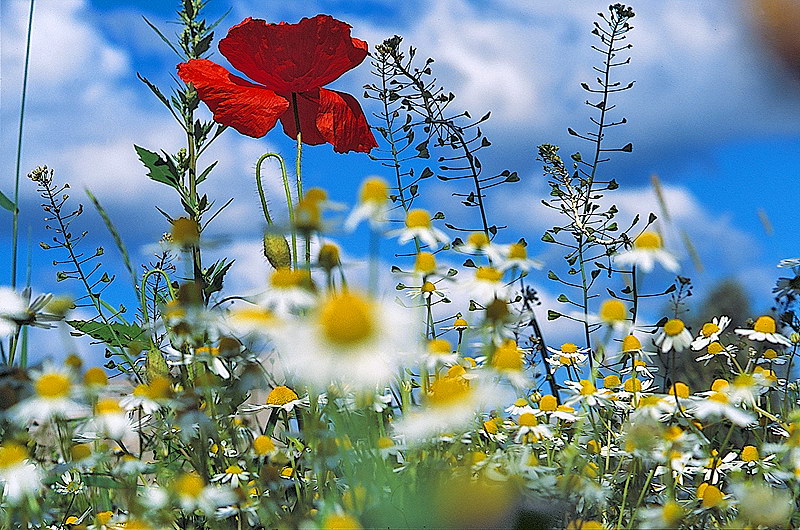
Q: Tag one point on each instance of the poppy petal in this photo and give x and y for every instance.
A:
(332, 117)
(293, 57)
(251, 109)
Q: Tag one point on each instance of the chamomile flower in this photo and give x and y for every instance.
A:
(764, 329)
(508, 359)
(283, 397)
(486, 285)
(529, 429)
(716, 467)
(515, 256)
(373, 204)
(18, 476)
(110, 419)
(668, 515)
(710, 332)
(53, 389)
(477, 243)
(439, 353)
(234, 474)
(149, 397)
(648, 249)
(719, 405)
(584, 391)
(520, 406)
(673, 336)
(715, 349)
(289, 290)
(16, 309)
(193, 493)
(252, 320)
(418, 224)
(349, 338)
(568, 355)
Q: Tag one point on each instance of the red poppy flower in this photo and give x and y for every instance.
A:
(288, 62)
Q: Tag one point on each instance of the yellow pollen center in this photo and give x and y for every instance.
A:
(107, 406)
(715, 348)
(680, 390)
(674, 327)
(95, 376)
(189, 485)
(456, 371)
(281, 395)
(770, 354)
(347, 319)
(566, 361)
(568, 347)
(719, 384)
(385, 442)
(765, 324)
(447, 391)
(254, 314)
(672, 513)
(710, 494)
(749, 453)
(418, 219)
(428, 287)
(548, 403)
(520, 402)
(374, 190)
(612, 310)
(52, 386)
(316, 195)
(234, 470)
(12, 454)
(263, 445)
(285, 278)
(488, 274)
(719, 397)
(633, 385)
(528, 420)
(709, 328)
(460, 323)
(648, 241)
(158, 388)
(425, 263)
(440, 347)
(611, 381)
(185, 231)
(587, 387)
(517, 251)
(507, 356)
(340, 522)
(631, 343)
(478, 239)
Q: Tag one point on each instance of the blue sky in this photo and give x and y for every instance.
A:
(712, 114)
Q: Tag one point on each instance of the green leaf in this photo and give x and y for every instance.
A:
(114, 334)
(156, 365)
(552, 315)
(159, 169)
(7, 203)
(101, 481)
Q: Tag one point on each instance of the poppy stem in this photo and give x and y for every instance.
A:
(297, 169)
(289, 204)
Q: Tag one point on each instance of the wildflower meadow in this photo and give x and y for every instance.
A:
(397, 367)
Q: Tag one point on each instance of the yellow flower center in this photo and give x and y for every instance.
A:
(719, 397)
(765, 324)
(95, 376)
(709, 328)
(263, 445)
(347, 319)
(316, 195)
(12, 454)
(710, 494)
(189, 485)
(253, 315)
(490, 426)
(478, 239)
(328, 256)
(159, 388)
(281, 395)
(744, 381)
(185, 231)
(672, 513)
(107, 406)
(631, 343)
(648, 241)
(548, 403)
(425, 263)
(456, 371)
(770, 354)
(517, 251)
(340, 522)
(593, 447)
(507, 356)
(447, 391)
(428, 287)
(679, 389)
(520, 402)
(234, 470)
(568, 347)
(719, 384)
(418, 218)
(749, 453)
(460, 323)
(633, 385)
(104, 517)
(384, 442)
(566, 361)
(488, 274)
(374, 189)
(206, 350)
(612, 310)
(674, 327)
(715, 348)
(587, 387)
(80, 451)
(307, 215)
(286, 278)
(528, 419)
(440, 347)
(673, 433)
(53, 385)
(611, 381)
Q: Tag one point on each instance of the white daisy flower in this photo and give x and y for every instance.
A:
(716, 467)
(568, 355)
(486, 285)
(110, 420)
(418, 224)
(19, 477)
(439, 353)
(717, 405)
(349, 339)
(529, 429)
(234, 475)
(288, 292)
(673, 336)
(790, 262)
(716, 348)
(281, 397)
(508, 360)
(149, 397)
(52, 397)
(16, 309)
(648, 249)
(252, 320)
(69, 484)
(710, 332)
(584, 391)
(514, 256)
(478, 243)
(520, 406)
(764, 329)
(373, 204)
(193, 493)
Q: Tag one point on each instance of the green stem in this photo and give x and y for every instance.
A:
(298, 172)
